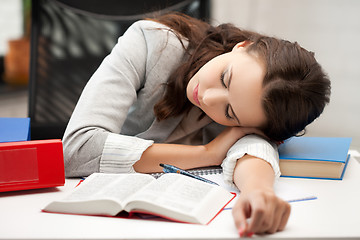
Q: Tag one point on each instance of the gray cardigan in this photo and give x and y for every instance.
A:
(113, 122)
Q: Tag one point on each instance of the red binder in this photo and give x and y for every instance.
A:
(31, 164)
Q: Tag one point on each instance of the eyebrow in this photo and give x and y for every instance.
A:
(232, 110)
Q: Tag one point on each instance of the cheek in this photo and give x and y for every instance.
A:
(207, 75)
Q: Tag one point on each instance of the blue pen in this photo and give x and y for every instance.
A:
(172, 169)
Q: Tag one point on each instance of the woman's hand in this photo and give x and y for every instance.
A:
(266, 212)
(216, 149)
(258, 209)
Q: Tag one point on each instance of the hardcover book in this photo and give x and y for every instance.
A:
(14, 129)
(314, 157)
(31, 164)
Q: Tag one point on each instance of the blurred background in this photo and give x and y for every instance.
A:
(330, 28)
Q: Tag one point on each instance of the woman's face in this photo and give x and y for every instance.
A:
(229, 88)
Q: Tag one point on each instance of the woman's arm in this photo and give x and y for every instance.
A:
(104, 103)
(257, 202)
(183, 156)
(186, 157)
(128, 78)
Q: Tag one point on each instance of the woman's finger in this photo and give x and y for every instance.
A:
(277, 217)
(241, 212)
(259, 214)
(285, 217)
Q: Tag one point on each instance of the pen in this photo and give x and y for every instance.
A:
(172, 169)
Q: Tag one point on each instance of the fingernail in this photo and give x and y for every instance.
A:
(241, 232)
(250, 234)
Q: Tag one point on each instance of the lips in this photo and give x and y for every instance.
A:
(196, 94)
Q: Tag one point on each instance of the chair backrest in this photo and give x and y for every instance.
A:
(69, 39)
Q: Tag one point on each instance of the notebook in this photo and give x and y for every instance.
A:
(285, 191)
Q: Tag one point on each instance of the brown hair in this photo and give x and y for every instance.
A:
(295, 88)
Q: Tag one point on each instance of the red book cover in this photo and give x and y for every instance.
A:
(31, 164)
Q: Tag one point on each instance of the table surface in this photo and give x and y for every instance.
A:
(334, 214)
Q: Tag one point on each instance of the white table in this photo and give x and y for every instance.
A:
(335, 214)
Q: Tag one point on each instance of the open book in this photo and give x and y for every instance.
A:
(172, 196)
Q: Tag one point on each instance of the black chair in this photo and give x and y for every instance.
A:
(69, 39)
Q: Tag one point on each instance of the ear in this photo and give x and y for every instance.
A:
(242, 45)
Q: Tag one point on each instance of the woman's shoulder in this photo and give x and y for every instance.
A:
(148, 23)
(164, 48)
(155, 32)
(148, 26)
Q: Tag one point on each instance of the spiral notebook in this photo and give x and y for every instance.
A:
(198, 171)
(284, 190)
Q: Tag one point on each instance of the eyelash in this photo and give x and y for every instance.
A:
(222, 79)
(227, 115)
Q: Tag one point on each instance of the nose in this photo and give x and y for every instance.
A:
(214, 96)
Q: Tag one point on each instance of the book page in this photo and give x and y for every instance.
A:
(109, 186)
(100, 194)
(175, 191)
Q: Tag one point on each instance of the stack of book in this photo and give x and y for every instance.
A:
(26, 164)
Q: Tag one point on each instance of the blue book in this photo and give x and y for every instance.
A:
(14, 129)
(314, 157)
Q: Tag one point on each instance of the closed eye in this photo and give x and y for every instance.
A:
(228, 107)
(227, 114)
(222, 79)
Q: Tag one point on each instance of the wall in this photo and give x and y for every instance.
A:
(10, 22)
(331, 29)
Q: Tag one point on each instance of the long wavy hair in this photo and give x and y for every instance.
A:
(296, 89)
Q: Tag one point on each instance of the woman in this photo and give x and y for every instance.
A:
(176, 90)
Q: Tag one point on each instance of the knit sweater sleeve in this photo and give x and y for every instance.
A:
(251, 145)
(92, 140)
